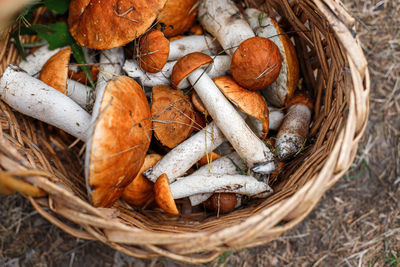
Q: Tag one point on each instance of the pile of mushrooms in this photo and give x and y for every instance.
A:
(211, 101)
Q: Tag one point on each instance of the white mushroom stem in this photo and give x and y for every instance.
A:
(80, 93)
(224, 21)
(193, 43)
(229, 164)
(177, 161)
(34, 98)
(263, 27)
(293, 132)
(221, 66)
(35, 61)
(111, 62)
(249, 147)
(275, 120)
(239, 184)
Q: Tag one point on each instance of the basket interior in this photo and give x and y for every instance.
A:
(324, 72)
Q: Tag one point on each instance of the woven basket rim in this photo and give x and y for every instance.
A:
(261, 227)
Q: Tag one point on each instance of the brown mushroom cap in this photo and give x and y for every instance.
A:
(198, 104)
(140, 191)
(221, 202)
(177, 16)
(301, 99)
(81, 77)
(187, 64)
(208, 158)
(249, 102)
(153, 51)
(292, 64)
(173, 115)
(163, 195)
(121, 137)
(107, 24)
(55, 71)
(256, 63)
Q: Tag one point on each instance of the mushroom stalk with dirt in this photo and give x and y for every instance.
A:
(227, 183)
(229, 164)
(220, 67)
(34, 98)
(224, 21)
(250, 148)
(178, 160)
(294, 130)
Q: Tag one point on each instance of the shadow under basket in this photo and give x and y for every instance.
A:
(48, 165)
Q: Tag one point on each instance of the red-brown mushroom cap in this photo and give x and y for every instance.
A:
(292, 63)
(153, 51)
(177, 16)
(301, 99)
(221, 202)
(208, 158)
(101, 24)
(140, 191)
(256, 63)
(173, 115)
(55, 71)
(163, 195)
(247, 101)
(120, 139)
(187, 65)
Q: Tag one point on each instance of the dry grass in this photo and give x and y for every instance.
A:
(357, 223)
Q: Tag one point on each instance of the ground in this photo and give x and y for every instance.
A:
(357, 222)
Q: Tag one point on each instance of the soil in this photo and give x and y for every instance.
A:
(356, 223)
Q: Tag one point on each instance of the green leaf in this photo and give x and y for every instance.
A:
(57, 6)
(56, 34)
(18, 44)
(79, 56)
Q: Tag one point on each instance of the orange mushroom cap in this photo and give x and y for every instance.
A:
(292, 63)
(107, 24)
(221, 202)
(153, 51)
(187, 64)
(301, 99)
(206, 159)
(121, 137)
(55, 71)
(81, 77)
(177, 16)
(173, 115)
(256, 63)
(164, 196)
(247, 101)
(140, 191)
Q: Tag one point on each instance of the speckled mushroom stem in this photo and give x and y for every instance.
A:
(229, 164)
(275, 117)
(177, 161)
(221, 66)
(34, 98)
(80, 93)
(249, 147)
(227, 183)
(224, 21)
(293, 132)
(194, 43)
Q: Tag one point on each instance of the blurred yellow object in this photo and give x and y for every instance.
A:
(9, 185)
(9, 9)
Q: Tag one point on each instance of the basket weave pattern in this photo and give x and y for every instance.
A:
(334, 70)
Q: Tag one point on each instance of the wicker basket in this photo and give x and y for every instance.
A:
(45, 163)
